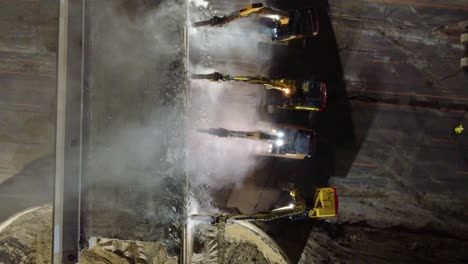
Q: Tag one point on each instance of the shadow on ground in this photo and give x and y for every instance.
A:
(337, 144)
(33, 186)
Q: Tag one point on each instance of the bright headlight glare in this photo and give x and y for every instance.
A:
(279, 142)
(280, 134)
(275, 17)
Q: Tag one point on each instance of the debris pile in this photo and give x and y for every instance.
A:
(234, 242)
(27, 237)
(126, 252)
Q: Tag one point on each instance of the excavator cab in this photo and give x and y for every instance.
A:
(282, 142)
(302, 24)
(292, 143)
(310, 95)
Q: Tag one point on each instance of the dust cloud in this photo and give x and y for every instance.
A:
(137, 166)
(240, 48)
(199, 3)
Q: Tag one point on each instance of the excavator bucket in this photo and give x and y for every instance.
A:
(325, 203)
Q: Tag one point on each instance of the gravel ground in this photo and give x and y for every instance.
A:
(365, 244)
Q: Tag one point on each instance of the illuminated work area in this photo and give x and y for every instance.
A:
(216, 131)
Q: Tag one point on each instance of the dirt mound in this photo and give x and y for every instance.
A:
(114, 251)
(27, 237)
(234, 242)
(243, 253)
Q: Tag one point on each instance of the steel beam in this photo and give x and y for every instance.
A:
(68, 151)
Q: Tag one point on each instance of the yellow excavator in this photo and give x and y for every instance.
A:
(309, 95)
(285, 25)
(281, 142)
(324, 205)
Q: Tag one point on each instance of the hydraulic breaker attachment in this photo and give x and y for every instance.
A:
(222, 132)
(285, 86)
(214, 76)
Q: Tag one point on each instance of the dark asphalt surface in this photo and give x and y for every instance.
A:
(385, 140)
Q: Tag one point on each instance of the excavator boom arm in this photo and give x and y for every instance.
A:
(264, 216)
(325, 204)
(222, 132)
(257, 8)
(278, 84)
(216, 76)
(217, 21)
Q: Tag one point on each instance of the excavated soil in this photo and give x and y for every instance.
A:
(234, 242)
(243, 253)
(27, 237)
(127, 252)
